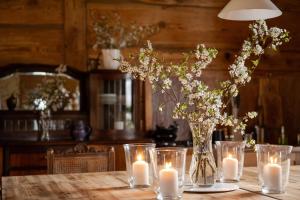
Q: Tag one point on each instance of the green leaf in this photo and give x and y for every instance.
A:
(255, 62)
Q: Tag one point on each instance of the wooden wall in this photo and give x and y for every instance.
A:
(39, 31)
(57, 31)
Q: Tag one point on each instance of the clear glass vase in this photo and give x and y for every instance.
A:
(45, 121)
(203, 168)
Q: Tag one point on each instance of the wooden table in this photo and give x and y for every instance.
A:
(113, 185)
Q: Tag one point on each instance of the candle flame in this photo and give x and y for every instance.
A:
(273, 160)
(229, 155)
(139, 157)
(168, 165)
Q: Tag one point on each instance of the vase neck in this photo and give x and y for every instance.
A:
(202, 136)
(205, 145)
(201, 132)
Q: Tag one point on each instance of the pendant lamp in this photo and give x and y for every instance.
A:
(248, 10)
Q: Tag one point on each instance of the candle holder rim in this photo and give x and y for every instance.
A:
(139, 145)
(184, 149)
(289, 147)
(230, 142)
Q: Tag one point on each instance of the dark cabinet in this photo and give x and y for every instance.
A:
(117, 104)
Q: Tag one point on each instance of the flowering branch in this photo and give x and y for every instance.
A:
(111, 33)
(198, 102)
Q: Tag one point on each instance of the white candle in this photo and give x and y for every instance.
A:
(230, 168)
(168, 180)
(119, 125)
(140, 171)
(272, 175)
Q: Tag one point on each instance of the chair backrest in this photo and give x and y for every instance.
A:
(81, 158)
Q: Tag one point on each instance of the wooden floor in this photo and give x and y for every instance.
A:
(113, 185)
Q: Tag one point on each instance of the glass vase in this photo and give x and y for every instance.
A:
(45, 121)
(203, 166)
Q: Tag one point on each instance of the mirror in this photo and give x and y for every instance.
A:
(22, 90)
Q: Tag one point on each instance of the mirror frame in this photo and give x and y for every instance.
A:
(81, 76)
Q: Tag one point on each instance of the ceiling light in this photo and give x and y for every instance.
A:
(248, 10)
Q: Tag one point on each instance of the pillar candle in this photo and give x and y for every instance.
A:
(168, 181)
(272, 175)
(230, 168)
(140, 171)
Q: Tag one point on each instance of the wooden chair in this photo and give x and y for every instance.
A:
(81, 158)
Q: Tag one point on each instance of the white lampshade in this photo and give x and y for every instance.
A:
(248, 10)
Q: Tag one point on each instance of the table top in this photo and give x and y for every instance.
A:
(113, 185)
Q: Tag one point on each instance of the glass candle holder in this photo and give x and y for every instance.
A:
(273, 163)
(138, 164)
(169, 171)
(230, 160)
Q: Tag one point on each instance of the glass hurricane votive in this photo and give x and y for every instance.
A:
(273, 163)
(230, 162)
(169, 171)
(138, 164)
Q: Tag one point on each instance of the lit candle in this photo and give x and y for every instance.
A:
(230, 168)
(168, 180)
(272, 175)
(140, 171)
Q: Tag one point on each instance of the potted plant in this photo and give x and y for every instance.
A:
(204, 107)
(112, 35)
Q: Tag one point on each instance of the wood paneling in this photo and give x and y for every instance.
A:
(31, 12)
(187, 26)
(187, 3)
(31, 32)
(75, 33)
(21, 160)
(189, 22)
(46, 32)
(31, 45)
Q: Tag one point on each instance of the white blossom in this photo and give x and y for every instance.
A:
(252, 115)
(258, 50)
(275, 32)
(167, 83)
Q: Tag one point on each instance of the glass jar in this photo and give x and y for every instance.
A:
(273, 163)
(230, 160)
(138, 164)
(169, 171)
